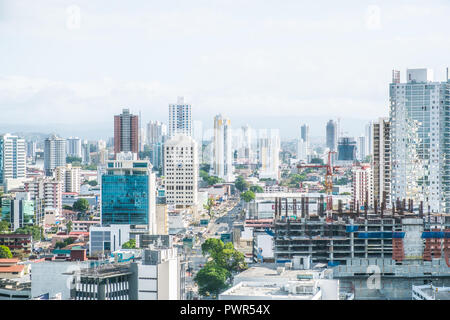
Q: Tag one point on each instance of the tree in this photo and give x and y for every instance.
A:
(66, 207)
(211, 279)
(5, 253)
(70, 159)
(4, 226)
(36, 231)
(81, 205)
(69, 226)
(257, 189)
(248, 196)
(64, 243)
(130, 244)
(241, 184)
(93, 183)
(209, 206)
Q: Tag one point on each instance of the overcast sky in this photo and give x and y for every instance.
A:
(70, 66)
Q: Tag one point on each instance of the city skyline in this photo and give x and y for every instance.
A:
(285, 64)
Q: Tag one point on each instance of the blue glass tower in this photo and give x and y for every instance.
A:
(128, 193)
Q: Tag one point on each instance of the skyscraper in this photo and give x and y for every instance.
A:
(331, 134)
(346, 149)
(222, 162)
(304, 133)
(86, 152)
(129, 194)
(74, 147)
(361, 148)
(155, 132)
(369, 139)
(54, 154)
(420, 145)
(12, 158)
(180, 120)
(126, 132)
(181, 171)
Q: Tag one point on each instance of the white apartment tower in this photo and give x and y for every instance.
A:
(70, 178)
(362, 186)
(420, 144)
(222, 159)
(269, 154)
(12, 158)
(181, 171)
(180, 119)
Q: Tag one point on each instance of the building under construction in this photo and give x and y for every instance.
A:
(399, 234)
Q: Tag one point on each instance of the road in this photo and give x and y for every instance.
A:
(222, 222)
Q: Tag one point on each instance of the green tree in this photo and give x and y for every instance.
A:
(93, 183)
(256, 189)
(209, 207)
(130, 244)
(69, 226)
(66, 207)
(4, 226)
(224, 255)
(36, 231)
(241, 184)
(70, 159)
(211, 279)
(248, 196)
(81, 205)
(5, 253)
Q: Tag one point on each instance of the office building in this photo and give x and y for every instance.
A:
(181, 171)
(128, 194)
(54, 154)
(12, 158)
(126, 132)
(223, 156)
(19, 211)
(331, 135)
(346, 149)
(106, 239)
(381, 162)
(180, 118)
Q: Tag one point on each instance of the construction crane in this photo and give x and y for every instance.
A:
(328, 179)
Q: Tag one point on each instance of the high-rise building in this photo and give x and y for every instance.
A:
(70, 178)
(129, 194)
(155, 132)
(126, 132)
(180, 120)
(381, 162)
(86, 152)
(362, 186)
(74, 147)
(331, 134)
(269, 154)
(12, 158)
(420, 144)
(181, 171)
(369, 139)
(31, 151)
(346, 149)
(223, 157)
(302, 151)
(48, 191)
(157, 155)
(54, 154)
(361, 148)
(245, 150)
(304, 135)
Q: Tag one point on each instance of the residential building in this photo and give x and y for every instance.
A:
(31, 151)
(362, 186)
(419, 140)
(48, 190)
(126, 132)
(180, 118)
(70, 178)
(381, 162)
(54, 154)
(269, 154)
(155, 132)
(361, 148)
(17, 243)
(86, 152)
(368, 139)
(181, 171)
(128, 194)
(12, 158)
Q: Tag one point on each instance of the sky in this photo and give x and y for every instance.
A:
(70, 66)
